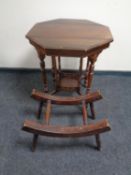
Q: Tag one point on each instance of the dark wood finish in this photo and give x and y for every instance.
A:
(66, 131)
(73, 53)
(90, 97)
(48, 112)
(54, 71)
(69, 131)
(41, 55)
(69, 34)
(70, 37)
(42, 64)
(67, 81)
(84, 111)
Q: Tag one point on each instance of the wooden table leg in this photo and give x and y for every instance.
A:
(55, 73)
(89, 77)
(43, 71)
(89, 73)
(41, 56)
(46, 119)
(44, 78)
(53, 67)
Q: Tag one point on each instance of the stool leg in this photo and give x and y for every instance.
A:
(34, 143)
(35, 136)
(92, 110)
(98, 142)
(84, 113)
(39, 109)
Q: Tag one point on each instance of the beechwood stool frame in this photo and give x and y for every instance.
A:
(46, 129)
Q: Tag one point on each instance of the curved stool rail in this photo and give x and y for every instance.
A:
(66, 131)
(90, 97)
(46, 129)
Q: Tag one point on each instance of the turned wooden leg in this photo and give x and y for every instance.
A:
(98, 142)
(90, 70)
(55, 72)
(42, 64)
(86, 73)
(53, 58)
(41, 55)
(44, 77)
(89, 77)
(78, 90)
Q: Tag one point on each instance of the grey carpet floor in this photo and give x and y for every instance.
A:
(70, 156)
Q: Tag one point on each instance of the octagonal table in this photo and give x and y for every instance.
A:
(69, 38)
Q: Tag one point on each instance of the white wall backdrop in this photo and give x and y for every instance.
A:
(18, 16)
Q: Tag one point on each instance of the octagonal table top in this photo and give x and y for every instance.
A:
(70, 34)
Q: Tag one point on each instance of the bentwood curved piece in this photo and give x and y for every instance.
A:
(46, 129)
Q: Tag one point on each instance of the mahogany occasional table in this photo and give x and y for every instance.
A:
(68, 38)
